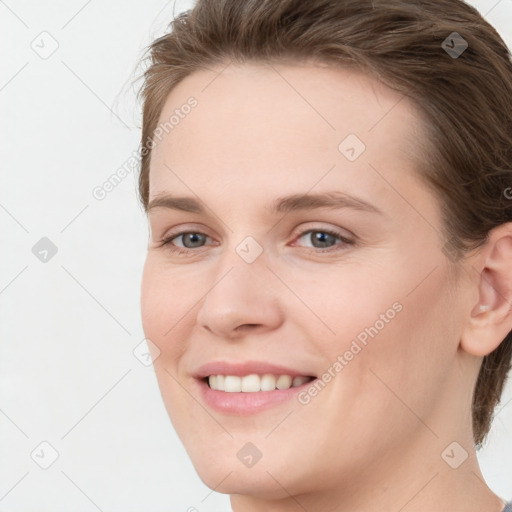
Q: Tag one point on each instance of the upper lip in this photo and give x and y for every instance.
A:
(246, 368)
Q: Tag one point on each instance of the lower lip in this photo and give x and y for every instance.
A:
(243, 403)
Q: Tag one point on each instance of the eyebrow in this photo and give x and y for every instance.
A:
(281, 205)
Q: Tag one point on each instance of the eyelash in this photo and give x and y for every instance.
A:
(166, 242)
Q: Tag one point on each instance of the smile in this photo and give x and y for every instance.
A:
(247, 387)
(254, 383)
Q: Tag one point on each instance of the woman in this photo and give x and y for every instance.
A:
(328, 284)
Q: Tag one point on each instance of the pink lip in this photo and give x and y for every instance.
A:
(242, 404)
(245, 368)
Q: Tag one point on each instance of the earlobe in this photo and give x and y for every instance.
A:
(490, 319)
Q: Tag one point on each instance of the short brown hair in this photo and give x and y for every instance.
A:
(466, 100)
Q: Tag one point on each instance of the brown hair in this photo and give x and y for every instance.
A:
(465, 98)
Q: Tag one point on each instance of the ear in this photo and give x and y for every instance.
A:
(490, 320)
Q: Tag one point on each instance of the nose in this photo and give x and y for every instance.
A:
(243, 298)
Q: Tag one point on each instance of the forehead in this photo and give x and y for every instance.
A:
(258, 124)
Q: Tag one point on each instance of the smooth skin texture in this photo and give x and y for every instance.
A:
(372, 439)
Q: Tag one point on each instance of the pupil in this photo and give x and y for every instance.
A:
(192, 236)
(320, 237)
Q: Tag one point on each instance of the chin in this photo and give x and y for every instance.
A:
(253, 481)
(221, 469)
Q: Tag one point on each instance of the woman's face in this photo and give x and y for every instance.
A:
(357, 293)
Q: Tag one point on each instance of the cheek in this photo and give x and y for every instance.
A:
(165, 301)
(395, 326)
(166, 298)
(152, 302)
(354, 304)
(402, 365)
(411, 355)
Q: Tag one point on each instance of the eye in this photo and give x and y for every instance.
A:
(325, 239)
(320, 239)
(190, 239)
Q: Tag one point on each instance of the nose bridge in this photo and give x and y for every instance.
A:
(244, 262)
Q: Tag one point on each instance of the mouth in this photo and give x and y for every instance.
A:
(255, 383)
(243, 388)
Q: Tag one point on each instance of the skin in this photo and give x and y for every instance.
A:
(372, 439)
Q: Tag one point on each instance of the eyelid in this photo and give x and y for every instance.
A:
(302, 230)
(337, 231)
(180, 229)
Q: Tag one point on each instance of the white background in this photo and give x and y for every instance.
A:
(69, 326)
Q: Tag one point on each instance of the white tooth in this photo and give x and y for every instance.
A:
(298, 381)
(283, 382)
(268, 382)
(251, 383)
(254, 383)
(232, 384)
